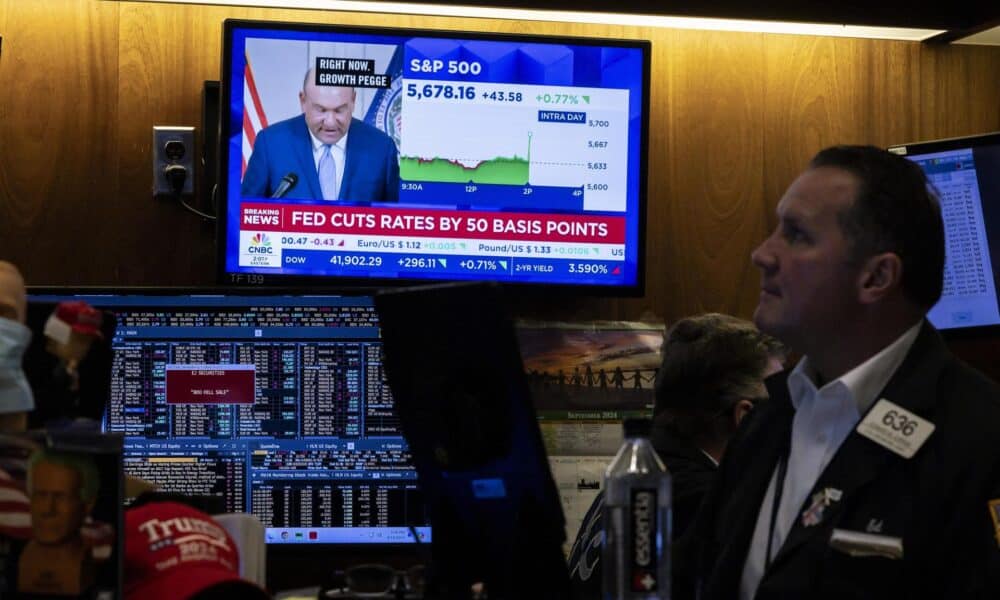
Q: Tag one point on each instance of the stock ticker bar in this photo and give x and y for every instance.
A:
(311, 239)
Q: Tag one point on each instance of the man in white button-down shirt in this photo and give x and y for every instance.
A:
(873, 471)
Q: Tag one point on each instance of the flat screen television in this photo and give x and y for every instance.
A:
(367, 156)
(274, 404)
(966, 174)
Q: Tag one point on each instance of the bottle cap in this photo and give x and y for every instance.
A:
(637, 427)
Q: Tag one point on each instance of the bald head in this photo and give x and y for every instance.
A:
(13, 297)
(328, 109)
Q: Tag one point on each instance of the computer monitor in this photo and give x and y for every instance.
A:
(455, 369)
(275, 403)
(966, 173)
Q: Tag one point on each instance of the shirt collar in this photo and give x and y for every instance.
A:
(864, 381)
(317, 144)
(709, 457)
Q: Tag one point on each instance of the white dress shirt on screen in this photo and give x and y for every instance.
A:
(339, 153)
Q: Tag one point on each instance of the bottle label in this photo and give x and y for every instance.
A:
(643, 557)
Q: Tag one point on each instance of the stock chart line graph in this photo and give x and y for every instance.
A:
(529, 136)
(513, 170)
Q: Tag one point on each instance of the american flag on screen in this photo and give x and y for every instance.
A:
(385, 109)
(254, 118)
(15, 510)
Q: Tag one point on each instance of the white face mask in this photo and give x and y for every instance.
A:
(15, 393)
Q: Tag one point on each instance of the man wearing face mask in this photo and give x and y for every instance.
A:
(16, 400)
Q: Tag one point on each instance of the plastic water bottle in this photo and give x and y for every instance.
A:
(637, 520)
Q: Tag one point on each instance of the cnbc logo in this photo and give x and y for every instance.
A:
(260, 244)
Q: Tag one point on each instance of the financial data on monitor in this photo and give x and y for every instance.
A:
(276, 404)
(966, 188)
(516, 159)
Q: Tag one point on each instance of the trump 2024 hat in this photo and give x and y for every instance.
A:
(173, 551)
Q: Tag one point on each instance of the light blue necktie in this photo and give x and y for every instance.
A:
(328, 174)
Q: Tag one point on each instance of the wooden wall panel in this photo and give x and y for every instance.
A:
(57, 137)
(960, 86)
(165, 54)
(706, 151)
(734, 118)
(894, 78)
(815, 95)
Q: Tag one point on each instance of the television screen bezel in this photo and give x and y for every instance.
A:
(344, 284)
(944, 145)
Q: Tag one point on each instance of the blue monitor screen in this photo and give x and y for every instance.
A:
(277, 404)
(377, 155)
(965, 172)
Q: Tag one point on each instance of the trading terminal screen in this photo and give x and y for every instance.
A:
(965, 173)
(278, 404)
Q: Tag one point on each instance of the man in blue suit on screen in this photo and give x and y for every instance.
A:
(324, 153)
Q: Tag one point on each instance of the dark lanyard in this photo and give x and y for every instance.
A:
(779, 486)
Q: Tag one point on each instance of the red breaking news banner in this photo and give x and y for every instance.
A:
(309, 218)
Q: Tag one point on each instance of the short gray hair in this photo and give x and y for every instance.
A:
(90, 478)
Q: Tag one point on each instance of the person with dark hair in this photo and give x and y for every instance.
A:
(711, 377)
(712, 374)
(874, 470)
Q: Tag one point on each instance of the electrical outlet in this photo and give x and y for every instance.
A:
(172, 147)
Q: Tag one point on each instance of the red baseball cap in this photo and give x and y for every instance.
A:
(81, 317)
(173, 551)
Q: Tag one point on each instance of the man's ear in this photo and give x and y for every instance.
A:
(880, 275)
(740, 410)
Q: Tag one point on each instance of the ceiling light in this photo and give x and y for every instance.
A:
(856, 31)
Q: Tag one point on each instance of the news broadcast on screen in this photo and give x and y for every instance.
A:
(376, 154)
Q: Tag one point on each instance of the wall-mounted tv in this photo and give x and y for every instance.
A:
(966, 174)
(370, 155)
